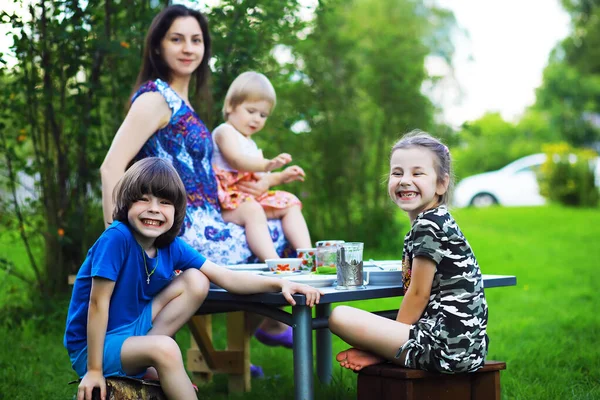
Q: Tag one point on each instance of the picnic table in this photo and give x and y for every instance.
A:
(203, 359)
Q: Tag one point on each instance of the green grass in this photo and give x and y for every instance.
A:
(546, 328)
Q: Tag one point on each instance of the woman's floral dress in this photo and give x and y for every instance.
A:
(188, 145)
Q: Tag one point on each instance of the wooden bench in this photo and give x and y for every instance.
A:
(390, 381)
(203, 359)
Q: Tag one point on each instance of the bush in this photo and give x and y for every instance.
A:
(567, 176)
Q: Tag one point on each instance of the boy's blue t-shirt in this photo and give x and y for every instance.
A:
(117, 256)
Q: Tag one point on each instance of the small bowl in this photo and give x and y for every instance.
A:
(284, 264)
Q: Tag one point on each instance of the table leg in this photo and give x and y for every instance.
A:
(303, 355)
(324, 349)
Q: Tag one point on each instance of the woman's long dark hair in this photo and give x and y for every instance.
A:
(153, 65)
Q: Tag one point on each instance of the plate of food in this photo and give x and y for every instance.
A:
(314, 280)
(281, 274)
(248, 267)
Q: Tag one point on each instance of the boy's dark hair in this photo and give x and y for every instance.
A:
(154, 66)
(155, 176)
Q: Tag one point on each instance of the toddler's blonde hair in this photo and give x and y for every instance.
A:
(249, 86)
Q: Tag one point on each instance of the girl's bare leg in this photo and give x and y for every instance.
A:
(251, 215)
(294, 225)
(374, 338)
(163, 352)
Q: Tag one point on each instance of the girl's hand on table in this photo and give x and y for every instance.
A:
(289, 288)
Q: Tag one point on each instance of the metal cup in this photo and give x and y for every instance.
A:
(349, 258)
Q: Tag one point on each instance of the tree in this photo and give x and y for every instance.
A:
(358, 78)
(59, 114)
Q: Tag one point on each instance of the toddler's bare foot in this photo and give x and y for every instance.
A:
(356, 359)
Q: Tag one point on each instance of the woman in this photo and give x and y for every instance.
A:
(161, 122)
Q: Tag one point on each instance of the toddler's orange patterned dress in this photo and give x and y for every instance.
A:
(229, 194)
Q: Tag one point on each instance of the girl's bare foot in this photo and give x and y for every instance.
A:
(356, 359)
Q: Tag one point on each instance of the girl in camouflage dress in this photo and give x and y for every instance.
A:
(441, 323)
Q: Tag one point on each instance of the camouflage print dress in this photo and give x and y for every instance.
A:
(450, 336)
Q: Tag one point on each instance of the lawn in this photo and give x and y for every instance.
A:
(546, 328)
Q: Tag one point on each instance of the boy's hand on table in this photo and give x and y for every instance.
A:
(92, 379)
(291, 174)
(289, 288)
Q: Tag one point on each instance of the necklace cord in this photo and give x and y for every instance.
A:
(149, 274)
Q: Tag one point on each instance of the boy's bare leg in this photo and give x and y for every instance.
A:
(163, 352)
(177, 302)
(294, 225)
(374, 338)
(175, 305)
(251, 215)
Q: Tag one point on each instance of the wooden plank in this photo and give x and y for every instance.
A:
(238, 339)
(196, 362)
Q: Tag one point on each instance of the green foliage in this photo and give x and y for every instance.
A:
(356, 83)
(58, 106)
(245, 35)
(571, 99)
(567, 176)
(490, 142)
(570, 92)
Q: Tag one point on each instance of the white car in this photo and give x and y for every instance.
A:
(513, 185)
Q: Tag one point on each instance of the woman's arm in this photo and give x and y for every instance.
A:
(244, 283)
(417, 296)
(149, 113)
(101, 293)
(227, 140)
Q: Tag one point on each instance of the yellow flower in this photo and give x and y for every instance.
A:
(125, 45)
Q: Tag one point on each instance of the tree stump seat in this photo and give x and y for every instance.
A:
(124, 388)
(389, 381)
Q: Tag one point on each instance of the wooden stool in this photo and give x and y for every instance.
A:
(389, 381)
